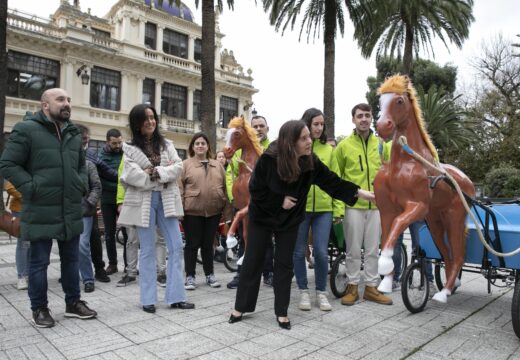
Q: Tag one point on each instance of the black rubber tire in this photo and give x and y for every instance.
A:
(119, 236)
(439, 275)
(414, 279)
(515, 308)
(338, 277)
(404, 258)
(231, 257)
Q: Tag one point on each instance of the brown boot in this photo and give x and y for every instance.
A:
(371, 294)
(351, 296)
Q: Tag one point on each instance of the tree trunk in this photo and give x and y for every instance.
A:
(3, 81)
(208, 72)
(408, 51)
(329, 71)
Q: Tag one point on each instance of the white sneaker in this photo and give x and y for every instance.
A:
(191, 283)
(305, 300)
(323, 301)
(22, 284)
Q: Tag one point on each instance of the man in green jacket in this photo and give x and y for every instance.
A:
(259, 123)
(44, 160)
(358, 161)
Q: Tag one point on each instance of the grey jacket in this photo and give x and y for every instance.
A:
(89, 202)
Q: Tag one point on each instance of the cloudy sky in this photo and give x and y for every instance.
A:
(289, 74)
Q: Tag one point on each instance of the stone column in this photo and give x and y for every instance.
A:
(86, 88)
(189, 100)
(139, 90)
(160, 31)
(191, 47)
(125, 91)
(67, 75)
(158, 91)
(142, 22)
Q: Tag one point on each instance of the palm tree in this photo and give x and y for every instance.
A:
(406, 26)
(3, 79)
(207, 66)
(318, 13)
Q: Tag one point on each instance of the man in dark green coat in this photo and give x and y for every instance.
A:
(44, 160)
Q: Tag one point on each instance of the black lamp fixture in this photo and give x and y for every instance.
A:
(82, 72)
(254, 112)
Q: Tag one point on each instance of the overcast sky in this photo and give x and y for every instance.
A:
(289, 74)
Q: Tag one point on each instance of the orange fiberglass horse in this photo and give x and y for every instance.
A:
(403, 186)
(241, 135)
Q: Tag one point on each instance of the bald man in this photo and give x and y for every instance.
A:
(44, 160)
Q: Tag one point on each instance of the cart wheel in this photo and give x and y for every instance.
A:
(120, 236)
(404, 258)
(414, 288)
(440, 277)
(338, 276)
(231, 256)
(515, 308)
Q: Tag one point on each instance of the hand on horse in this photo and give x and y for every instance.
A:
(367, 195)
(289, 202)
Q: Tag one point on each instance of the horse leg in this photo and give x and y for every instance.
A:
(456, 229)
(386, 223)
(437, 231)
(231, 240)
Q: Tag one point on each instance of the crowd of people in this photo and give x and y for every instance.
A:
(301, 185)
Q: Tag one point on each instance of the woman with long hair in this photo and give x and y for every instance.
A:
(279, 185)
(319, 212)
(203, 189)
(152, 198)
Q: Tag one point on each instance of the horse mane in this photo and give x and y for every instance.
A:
(401, 84)
(239, 121)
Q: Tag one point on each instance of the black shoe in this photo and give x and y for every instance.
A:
(233, 319)
(284, 325)
(268, 279)
(79, 309)
(101, 275)
(161, 280)
(233, 284)
(125, 280)
(42, 318)
(149, 308)
(183, 305)
(111, 269)
(89, 287)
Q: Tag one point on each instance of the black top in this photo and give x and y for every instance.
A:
(268, 191)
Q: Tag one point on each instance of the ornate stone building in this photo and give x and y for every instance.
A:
(137, 53)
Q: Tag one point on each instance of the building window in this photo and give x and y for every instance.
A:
(150, 36)
(228, 110)
(197, 95)
(105, 88)
(101, 33)
(175, 43)
(149, 91)
(197, 51)
(173, 100)
(29, 76)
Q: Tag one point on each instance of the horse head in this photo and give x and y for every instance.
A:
(240, 135)
(395, 105)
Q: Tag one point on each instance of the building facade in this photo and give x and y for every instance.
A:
(138, 53)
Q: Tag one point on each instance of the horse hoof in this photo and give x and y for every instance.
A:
(385, 265)
(240, 261)
(386, 285)
(442, 296)
(231, 241)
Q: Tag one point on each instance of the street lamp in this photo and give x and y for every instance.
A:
(85, 78)
(254, 112)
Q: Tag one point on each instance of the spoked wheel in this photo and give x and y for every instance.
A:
(404, 258)
(515, 307)
(231, 256)
(440, 277)
(414, 288)
(338, 276)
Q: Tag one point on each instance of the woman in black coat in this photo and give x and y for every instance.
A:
(279, 185)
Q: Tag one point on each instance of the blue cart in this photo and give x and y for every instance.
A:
(500, 224)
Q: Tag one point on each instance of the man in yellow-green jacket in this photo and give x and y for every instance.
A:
(359, 161)
(259, 123)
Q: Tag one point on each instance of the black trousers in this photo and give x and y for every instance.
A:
(109, 218)
(200, 233)
(260, 238)
(96, 248)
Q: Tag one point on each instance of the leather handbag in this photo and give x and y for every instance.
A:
(10, 224)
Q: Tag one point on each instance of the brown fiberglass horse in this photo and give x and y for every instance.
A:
(402, 186)
(241, 136)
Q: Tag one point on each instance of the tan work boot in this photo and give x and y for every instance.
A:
(371, 294)
(351, 296)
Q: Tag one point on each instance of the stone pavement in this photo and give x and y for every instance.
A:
(473, 325)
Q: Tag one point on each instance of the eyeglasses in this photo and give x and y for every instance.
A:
(366, 115)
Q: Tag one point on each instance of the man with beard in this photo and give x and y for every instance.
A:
(111, 155)
(44, 160)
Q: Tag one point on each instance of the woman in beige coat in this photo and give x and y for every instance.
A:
(203, 186)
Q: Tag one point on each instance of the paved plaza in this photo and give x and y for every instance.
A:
(474, 325)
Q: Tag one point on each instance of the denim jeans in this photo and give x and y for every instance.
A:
(397, 258)
(320, 223)
(22, 254)
(147, 261)
(85, 260)
(40, 258)
(414, 233)
(132, 247)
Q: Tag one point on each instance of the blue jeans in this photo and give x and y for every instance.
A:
(414, 232)
(85, 260)
(147, 260)
(40, 258)
(22, 254)
(321, 223)
(397, 258)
